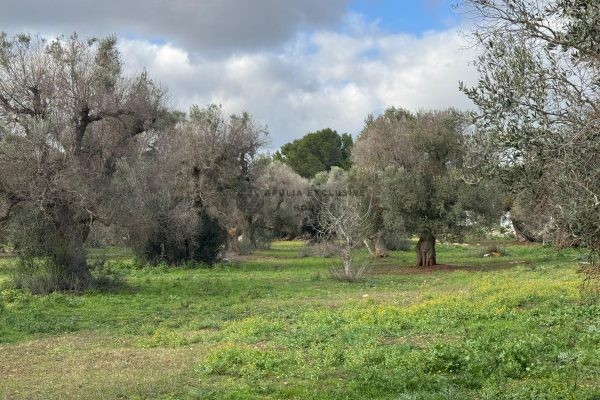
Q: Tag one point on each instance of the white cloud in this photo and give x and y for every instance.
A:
(295, 65)
(199, 25)
(323, 79)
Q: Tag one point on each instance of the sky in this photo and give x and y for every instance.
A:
(296, 66)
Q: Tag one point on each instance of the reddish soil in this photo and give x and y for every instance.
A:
(408, 270)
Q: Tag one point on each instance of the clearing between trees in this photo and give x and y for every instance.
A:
(276, 326)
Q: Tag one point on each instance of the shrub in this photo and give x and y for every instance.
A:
(40, 276)
(305, 251)
(356, 274)
(105, 276)
(170, 244)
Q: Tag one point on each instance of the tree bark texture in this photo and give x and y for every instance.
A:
(426, 250)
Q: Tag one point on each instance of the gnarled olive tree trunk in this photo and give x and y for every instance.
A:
(426, 250)
(380, 247)
(232, 239)
(522, 233)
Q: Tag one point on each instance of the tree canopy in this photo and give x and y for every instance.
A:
(415, 168)
(539, 109)
(67, 116)
(316, 152)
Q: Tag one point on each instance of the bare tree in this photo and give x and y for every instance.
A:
(67, 115)
(345, 220)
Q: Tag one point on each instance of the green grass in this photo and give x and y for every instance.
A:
(276, 326)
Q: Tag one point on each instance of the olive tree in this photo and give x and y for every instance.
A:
(285, 198)
(178, 197)
(415, 163)
(67, 116)
(539, 107)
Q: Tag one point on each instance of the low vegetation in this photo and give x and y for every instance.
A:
(274, 325)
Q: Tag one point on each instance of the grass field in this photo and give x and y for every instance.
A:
(274, 326)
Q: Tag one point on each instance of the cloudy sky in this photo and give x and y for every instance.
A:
(296, 65)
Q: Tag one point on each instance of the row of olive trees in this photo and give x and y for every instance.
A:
(409, 176)
(534, 149)
(82, 144)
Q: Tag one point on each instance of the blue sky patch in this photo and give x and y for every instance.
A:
(409, 16)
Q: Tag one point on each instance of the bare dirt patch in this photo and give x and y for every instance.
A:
(413, 270)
